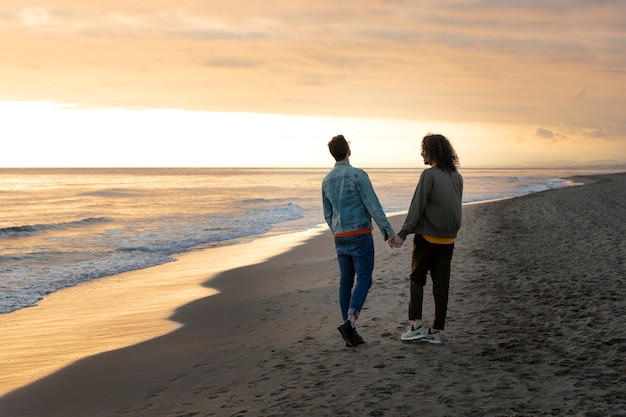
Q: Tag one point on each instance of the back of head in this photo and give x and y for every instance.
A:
(440, 151)
(339, 147)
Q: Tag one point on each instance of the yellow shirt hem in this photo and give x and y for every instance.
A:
(438, 240)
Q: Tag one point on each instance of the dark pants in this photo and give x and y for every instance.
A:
(435, 258)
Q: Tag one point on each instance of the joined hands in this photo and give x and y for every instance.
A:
(395, 241)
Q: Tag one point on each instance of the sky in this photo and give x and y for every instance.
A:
(194, 83)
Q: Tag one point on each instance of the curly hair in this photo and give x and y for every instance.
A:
(441, 152)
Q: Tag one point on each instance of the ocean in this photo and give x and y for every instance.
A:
(61, 227)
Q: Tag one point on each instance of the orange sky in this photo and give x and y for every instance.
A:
(544, 80)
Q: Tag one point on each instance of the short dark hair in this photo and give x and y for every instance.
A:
(441, 152)
(339, 147)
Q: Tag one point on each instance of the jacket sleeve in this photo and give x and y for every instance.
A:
(418, 204)
(374, 208)
(328, 209)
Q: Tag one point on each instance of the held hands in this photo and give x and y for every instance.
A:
(395, 241)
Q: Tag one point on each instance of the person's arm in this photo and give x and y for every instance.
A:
(418, 204)
(328, 210)
(374, 208)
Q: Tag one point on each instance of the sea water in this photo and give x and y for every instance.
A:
(60, 227)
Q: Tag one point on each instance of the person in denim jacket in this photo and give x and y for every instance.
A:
(350, 204)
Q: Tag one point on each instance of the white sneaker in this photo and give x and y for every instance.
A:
(411, 334)
(433, 336)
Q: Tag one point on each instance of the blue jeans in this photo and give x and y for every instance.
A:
(356, 257)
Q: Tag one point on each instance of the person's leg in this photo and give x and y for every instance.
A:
(440, 274)
(352, 253)
(346, 277)
(420, 264)
(362, 250)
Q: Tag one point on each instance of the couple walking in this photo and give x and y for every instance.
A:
(434, 216)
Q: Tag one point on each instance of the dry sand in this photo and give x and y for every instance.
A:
(536, 327)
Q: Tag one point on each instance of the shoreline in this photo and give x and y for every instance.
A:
(79, 321)
(115, 271)
(534, 329)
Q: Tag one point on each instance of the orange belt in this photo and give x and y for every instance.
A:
(353, 233)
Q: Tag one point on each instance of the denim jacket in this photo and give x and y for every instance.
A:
(350, 202)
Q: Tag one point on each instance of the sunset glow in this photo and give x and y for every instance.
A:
(193, 83)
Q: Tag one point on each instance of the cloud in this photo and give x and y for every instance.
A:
(598, 133)
(544, 133)
(613, 70)
(527, 62)
(35, 16)
(233, 63)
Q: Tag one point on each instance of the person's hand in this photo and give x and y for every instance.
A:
(395, 241)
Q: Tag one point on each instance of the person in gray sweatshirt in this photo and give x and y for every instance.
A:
(435, 218)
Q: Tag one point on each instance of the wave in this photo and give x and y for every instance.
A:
(29, 230)
(184, 234)
(517, 186)
(268, 203)
(84, 256)
(110, 193)
(250, 201)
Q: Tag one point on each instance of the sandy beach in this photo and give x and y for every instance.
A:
(536, 327)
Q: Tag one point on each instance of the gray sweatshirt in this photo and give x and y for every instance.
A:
(436, 205)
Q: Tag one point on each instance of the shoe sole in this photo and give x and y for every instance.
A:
(418, 337)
